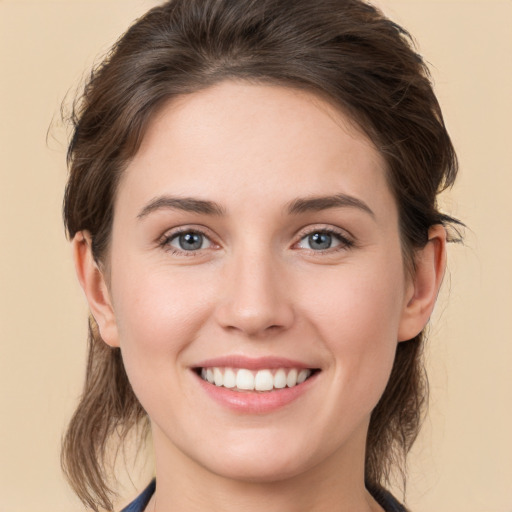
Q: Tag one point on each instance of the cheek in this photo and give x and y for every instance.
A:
(366, 302)
(358, 317)
(158, 314)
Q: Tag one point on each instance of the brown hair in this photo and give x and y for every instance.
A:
(344, 50)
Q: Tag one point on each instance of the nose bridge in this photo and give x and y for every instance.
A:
(255, 299)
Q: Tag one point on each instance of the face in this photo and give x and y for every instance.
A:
(256, 282)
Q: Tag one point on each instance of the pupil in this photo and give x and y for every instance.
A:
(191, 241)
(320, 241)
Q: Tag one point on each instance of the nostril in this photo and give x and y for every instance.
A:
(258, 319)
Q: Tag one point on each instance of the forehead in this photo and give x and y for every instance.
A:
(237, 140)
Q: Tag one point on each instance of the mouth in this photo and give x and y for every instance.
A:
(261, 380)
(255, 385)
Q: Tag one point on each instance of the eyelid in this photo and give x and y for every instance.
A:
(170, 234)
(344, 237)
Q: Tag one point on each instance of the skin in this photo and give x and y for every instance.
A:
(257, 287)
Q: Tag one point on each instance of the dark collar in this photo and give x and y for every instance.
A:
(384, 498)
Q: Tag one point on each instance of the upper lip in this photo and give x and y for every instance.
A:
(251, 363)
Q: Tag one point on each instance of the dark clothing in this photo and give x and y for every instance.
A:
(386, 500)
(141, 501)
(382, 497)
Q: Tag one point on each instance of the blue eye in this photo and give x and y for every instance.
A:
(189, 241)
(323, 241)
(320, 241)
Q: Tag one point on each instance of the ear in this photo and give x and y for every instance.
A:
(423, 288)
(93, 283)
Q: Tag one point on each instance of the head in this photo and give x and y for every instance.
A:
(347, 55)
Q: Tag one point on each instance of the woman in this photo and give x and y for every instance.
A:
(252, 207)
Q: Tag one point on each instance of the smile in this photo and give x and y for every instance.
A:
(243, 379)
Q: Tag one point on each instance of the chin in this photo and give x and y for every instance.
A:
(265, 459)
(259, 471)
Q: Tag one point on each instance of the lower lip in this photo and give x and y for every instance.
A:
(256, 402)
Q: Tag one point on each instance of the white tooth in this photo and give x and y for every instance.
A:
(203, 373)
(303, 375)
(291, 379)
(209, 375)
(229, 378)
(280, 379)
(263, 380)
(244, 379)
(217, 377)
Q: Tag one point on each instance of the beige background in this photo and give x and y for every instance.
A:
(463, 460)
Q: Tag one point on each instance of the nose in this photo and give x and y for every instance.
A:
(255, 298)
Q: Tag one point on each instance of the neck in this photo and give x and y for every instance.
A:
(336, 484)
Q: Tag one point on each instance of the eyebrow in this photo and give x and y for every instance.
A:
(318, 203)
(295, 207)
(187, 204)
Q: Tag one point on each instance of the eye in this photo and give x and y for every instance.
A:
(188, 241)
(323, 240)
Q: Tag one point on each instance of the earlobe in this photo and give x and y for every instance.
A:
(430, 264)
(93, 283)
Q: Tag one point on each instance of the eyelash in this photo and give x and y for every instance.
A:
(345, 243)
(165, 241)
